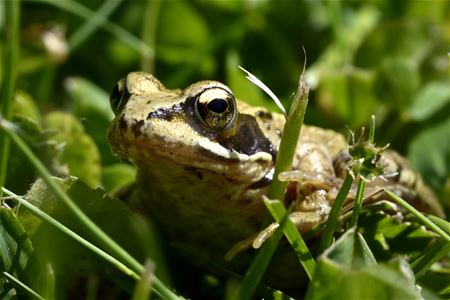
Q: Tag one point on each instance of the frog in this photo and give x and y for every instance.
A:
(204, 159)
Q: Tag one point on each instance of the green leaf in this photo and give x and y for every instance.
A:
(24, 105)
(387, 234)
(399, 80)
(348, 95)
(19, 174)
(432, 160)
(91, 105)
(431, 255)
(89, 100)
(110, 215)
(15, 246)
(429, 100)
(80, 153)
(117, 175)
(337, 276)
(181, 44)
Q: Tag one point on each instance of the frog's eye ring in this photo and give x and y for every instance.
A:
(216, 109)
(117, 99)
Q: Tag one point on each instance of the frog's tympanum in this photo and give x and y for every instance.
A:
(204, 159)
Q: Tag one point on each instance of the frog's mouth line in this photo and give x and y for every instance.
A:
(254, 168)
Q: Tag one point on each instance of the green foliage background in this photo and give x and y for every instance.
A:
(388, 58)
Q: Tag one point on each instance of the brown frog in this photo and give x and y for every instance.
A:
(204, 159)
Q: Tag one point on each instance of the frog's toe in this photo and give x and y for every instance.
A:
(254, 241)
(239, 247)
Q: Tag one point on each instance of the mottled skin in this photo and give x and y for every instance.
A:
(201, 181)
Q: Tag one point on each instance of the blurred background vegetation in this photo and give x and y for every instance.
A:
(381, 57)
(387, 58)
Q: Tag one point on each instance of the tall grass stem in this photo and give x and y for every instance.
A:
(330, 226)
(149, 30)
(22, 286)
(9, 77)
(117, 31)
(92, 24)
(288, 146)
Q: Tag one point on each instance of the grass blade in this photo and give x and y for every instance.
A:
(45, 217)
(149, 33)
(443, 224)
(435, 253)
(367, 254)
(22, 286)
(88, 28)
(9, 76)
(85, 13)
(288, 143)
(277, 210)
(422, 218)
(143, 286)
(288, 146)
(358, 202)
(259, 265)
(330, 226)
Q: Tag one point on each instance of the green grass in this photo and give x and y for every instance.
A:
(9, 77)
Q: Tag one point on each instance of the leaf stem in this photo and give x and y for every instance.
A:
(45, 217)
(289, 141)
(149, 29)
(278, 211)
(288, 145)
(422, 218)
(91, 24)
(330, 226)
(358, 202)
(255, 272)
(372, 129)
(117, 31)
(22, 286)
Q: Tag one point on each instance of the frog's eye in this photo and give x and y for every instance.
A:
(216, 108)
(117, 99)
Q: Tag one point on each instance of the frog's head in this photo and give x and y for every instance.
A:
(198, 127)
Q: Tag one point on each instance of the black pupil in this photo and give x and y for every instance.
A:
(218, 105)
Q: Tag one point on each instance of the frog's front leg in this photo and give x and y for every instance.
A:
(310, 207)
(311, 191)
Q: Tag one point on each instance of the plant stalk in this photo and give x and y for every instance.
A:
(9, 76)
